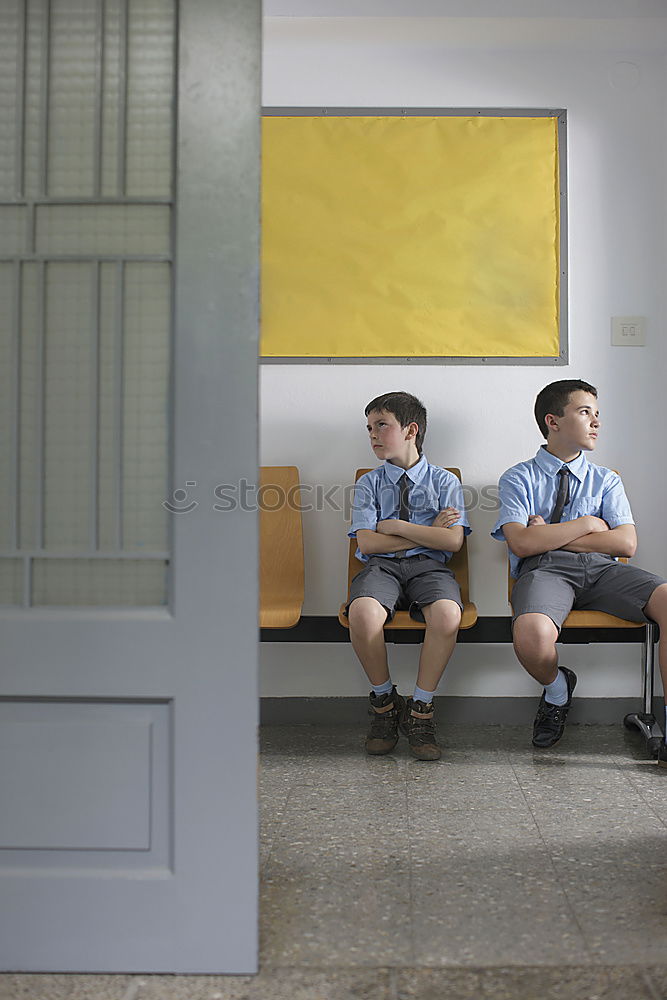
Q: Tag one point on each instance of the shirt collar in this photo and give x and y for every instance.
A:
(551, 465)
(416, 473)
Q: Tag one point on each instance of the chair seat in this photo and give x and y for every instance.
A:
(280, 615)
(598, 619)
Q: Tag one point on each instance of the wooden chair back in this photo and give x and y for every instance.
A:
(281, 569)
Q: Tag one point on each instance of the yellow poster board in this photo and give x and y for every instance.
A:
(410, 236)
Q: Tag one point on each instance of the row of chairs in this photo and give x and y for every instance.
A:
(282, 583)
(282, 566)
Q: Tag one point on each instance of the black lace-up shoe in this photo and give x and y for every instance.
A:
(550, 719)
(418, 724)
(662, 755)
(385, 712)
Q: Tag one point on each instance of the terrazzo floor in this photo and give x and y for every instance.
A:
(498, 872)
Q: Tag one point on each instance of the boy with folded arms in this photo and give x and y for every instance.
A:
(408, 519)
(566, 521)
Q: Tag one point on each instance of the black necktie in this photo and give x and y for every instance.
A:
(404, 505)
(563, 494)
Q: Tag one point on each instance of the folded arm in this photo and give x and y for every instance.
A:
(429, 536)
(373, 543)
(619, 541)
(537, 537)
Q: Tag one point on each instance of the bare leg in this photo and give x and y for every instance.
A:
(534, 640)
(656, 610)
(366, 618)
(443, 618)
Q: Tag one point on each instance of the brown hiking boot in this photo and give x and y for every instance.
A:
(417, 722)
(384, 712)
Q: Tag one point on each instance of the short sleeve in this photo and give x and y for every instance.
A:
(514, 503)
(364, 506)
(451, 495)
(615, 504)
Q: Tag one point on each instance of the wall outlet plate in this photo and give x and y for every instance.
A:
(628, 331)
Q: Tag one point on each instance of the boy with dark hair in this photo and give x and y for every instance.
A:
(408, 519)
(406, 408)
(555, 397)
(566, 521)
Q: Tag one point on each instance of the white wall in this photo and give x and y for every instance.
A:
(610, 75)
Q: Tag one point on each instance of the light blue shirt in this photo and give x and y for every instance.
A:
(377, 497)
(531, 488)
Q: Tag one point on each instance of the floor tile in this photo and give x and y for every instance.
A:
(523, 984)
(484, 890)
(576, 827)
(333, 889)
(274, 792)
(592, 797)
(650, 783)
(657, 977)
(41, 987)
(620, 900)
(105, 987)
(499, 911)
(273, 984)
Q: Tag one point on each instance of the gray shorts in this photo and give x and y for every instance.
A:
(407, 583)
(556, 582)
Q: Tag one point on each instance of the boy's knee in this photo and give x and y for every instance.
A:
(442, 616)
(366, 613)
(533, 628)
(656, 607)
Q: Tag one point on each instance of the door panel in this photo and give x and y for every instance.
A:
(128, 667)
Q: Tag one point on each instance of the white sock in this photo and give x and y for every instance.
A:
(421, 694)
(380, 689)
(556, 692)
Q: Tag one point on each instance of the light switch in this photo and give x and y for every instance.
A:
(628, 331)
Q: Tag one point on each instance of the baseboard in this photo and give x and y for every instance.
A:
(483, 711)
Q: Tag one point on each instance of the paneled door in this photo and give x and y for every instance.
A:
(129, 191)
